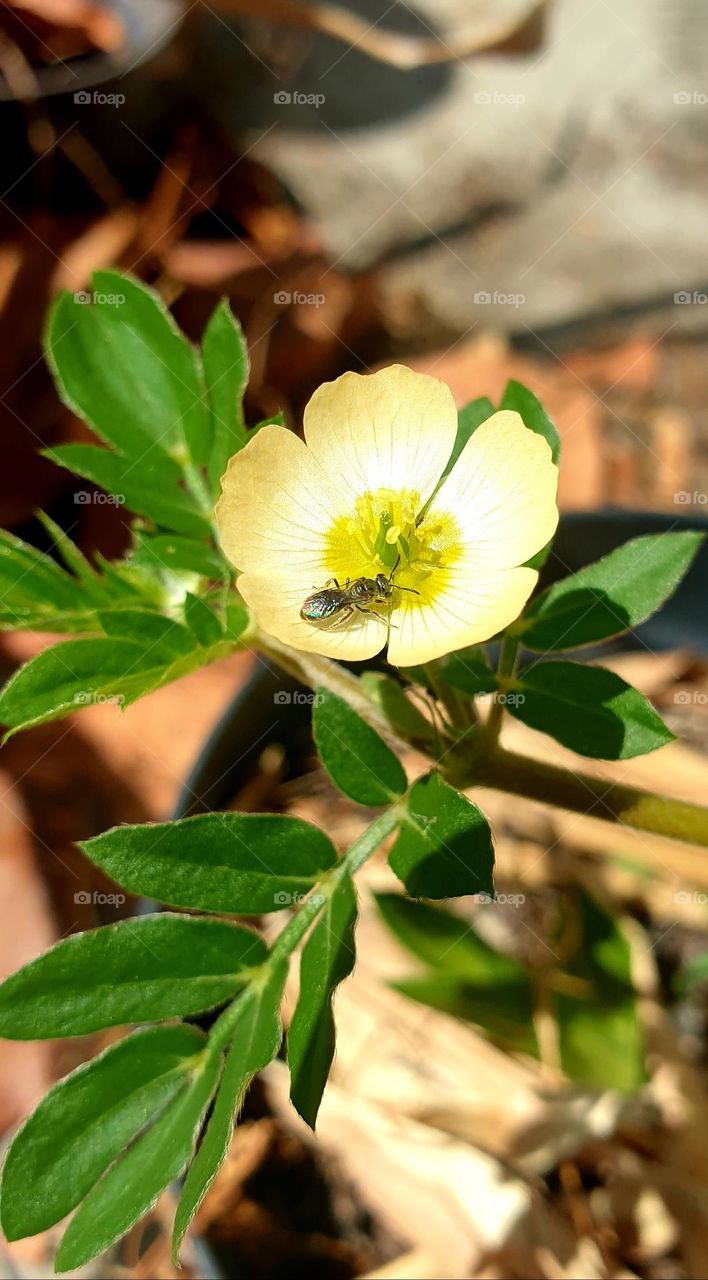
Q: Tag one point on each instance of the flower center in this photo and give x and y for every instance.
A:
(384, 534)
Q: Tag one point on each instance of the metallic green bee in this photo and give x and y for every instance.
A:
(335, 601)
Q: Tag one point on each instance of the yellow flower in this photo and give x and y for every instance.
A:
(362, 496)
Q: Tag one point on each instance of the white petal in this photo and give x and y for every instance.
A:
(473, 605)
(276, 603)
(276, 507)
(394, 429)
(502, 492)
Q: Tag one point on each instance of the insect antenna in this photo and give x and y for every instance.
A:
(390, 578)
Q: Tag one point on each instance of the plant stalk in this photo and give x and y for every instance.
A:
(583, 793)
(505, 671)
(357, 854)
(490, 765)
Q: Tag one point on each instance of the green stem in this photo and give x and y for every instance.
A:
(488, 764)
(583, 793)
(505, 671)
(456, 706)
(357, 854)
(198, 489)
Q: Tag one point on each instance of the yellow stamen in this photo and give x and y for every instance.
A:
(383, 535)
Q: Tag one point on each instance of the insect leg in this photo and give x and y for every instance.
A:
(372, 613)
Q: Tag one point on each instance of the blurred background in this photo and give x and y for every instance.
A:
(483, 189)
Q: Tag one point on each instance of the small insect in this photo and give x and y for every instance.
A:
(341, 601)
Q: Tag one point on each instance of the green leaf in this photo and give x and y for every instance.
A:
(36, 593)
(518, 397)
(469, 671)
(588, 709)
(468, 419)
(74, 674)
(97, 388)
(131, 1186)
(236, 620)
(145, 490)
(77, 673)
(124, 367)
(242, 863)
(69, 675)
(601, 1040)
(162, 639)
(327, 958)
(391, 699)
(73, 558)
(141, 970)
(86, 1121)
(466, 977)
(201, 620)
(257, 1038)
(613, 594)
(505, 1011)
(179, 554)
(33, 587)
(277, 420)
(226, 368)
(355, 757)
(446, 941)
(444, 846)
